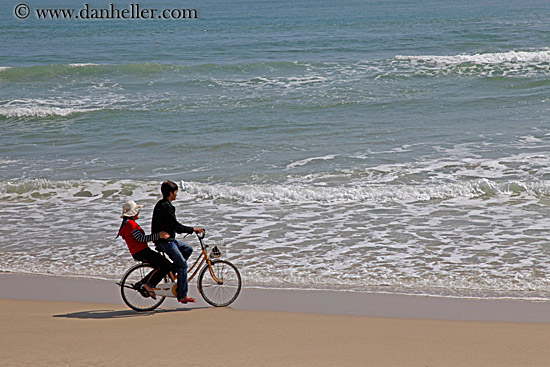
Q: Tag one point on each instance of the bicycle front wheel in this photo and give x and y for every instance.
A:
(221, 293)
(130, 289)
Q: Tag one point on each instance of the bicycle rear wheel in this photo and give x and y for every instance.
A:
(224, 293)
(132, 294)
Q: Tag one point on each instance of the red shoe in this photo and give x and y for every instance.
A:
(187, 300)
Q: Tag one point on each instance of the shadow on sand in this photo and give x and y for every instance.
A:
(112, 314)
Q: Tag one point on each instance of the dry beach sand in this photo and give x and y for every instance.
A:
(48, 321)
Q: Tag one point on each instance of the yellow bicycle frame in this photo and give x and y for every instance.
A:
(202, 258)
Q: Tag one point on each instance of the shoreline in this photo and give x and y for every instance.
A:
(19, 286)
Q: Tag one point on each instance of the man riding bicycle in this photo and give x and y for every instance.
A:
(164, 219)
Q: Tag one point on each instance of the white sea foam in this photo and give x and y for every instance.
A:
(296, 193)
(83, 64)
(60, 106)
(40, 111)
(518, 63)
(464, 246)
(526, 57)
(309, 160)
(82, 190)
(279, 193)
(281, 82)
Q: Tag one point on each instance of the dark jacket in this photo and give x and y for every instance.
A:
(164, 219)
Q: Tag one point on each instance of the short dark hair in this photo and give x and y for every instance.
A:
(167, 188)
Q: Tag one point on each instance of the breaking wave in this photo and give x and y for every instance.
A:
(385, 193)
(40, 189)
(519, 57)
(517, 63)
(41, 111)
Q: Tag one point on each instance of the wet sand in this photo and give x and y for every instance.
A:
(51, 321)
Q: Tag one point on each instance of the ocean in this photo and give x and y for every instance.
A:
(368, 146)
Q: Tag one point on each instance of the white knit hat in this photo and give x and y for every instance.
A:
(130, 208)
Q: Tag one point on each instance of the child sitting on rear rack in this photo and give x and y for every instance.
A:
(136, 240)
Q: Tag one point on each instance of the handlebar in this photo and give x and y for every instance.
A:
(201, 236)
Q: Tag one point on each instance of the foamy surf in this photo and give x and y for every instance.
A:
(296, 193)
(40, 111)
(509, 63)
(468, 246)
(519, 57)
(62, 106)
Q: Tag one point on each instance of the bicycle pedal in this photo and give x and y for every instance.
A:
(141, 290)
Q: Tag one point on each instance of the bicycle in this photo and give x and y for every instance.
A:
(219, 281)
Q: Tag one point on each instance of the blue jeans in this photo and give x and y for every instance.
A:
(178, 252)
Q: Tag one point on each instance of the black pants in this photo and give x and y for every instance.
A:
(160, 263)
